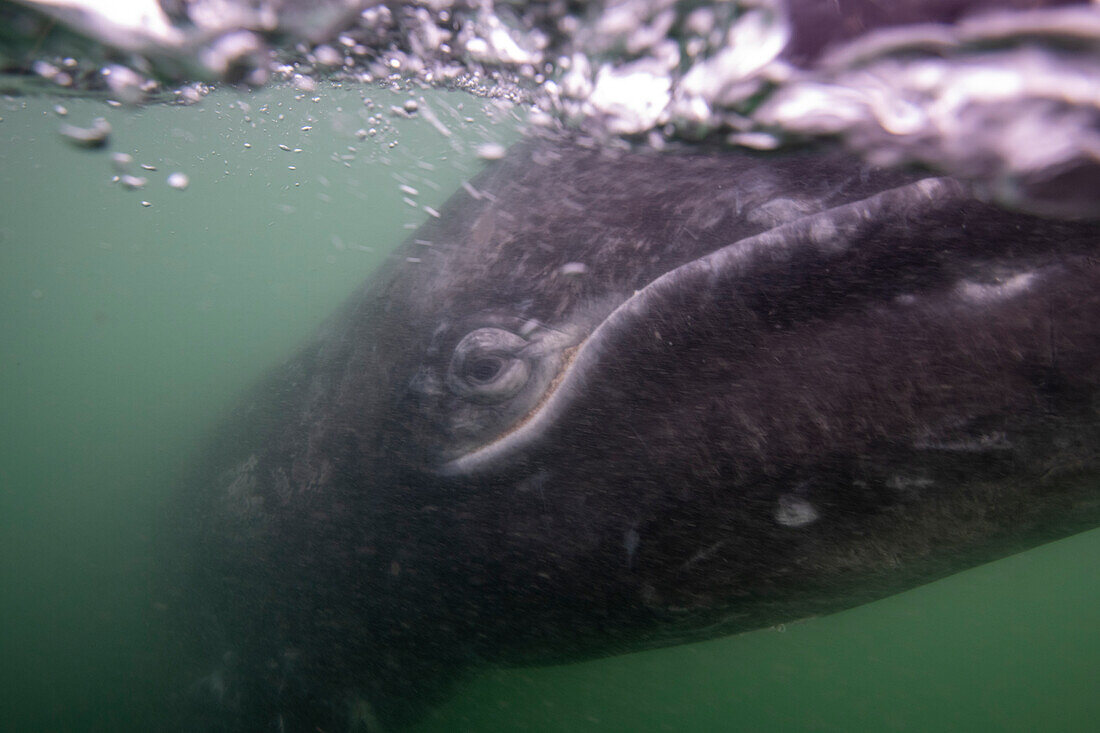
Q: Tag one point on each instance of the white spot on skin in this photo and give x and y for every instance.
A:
(573, 268)
(908, 483)
(982, 293)
(794, 511)
(631, 540)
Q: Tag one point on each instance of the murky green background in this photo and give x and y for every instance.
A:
(127, 331)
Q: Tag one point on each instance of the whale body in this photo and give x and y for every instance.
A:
(614, 400)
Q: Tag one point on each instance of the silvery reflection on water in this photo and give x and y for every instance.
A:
(1000, 93)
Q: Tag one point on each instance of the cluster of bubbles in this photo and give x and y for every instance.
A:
(1003, 94)
(96, 135)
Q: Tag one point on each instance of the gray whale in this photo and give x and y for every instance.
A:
(612, 400)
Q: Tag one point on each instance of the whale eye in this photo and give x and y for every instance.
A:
(486, 366)
(484, 370)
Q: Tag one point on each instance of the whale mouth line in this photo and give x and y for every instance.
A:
(827, 234)
(568, 356)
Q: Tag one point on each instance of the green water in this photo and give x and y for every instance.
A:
(128, 331)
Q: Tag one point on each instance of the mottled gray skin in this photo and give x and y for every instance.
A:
(704, 393)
